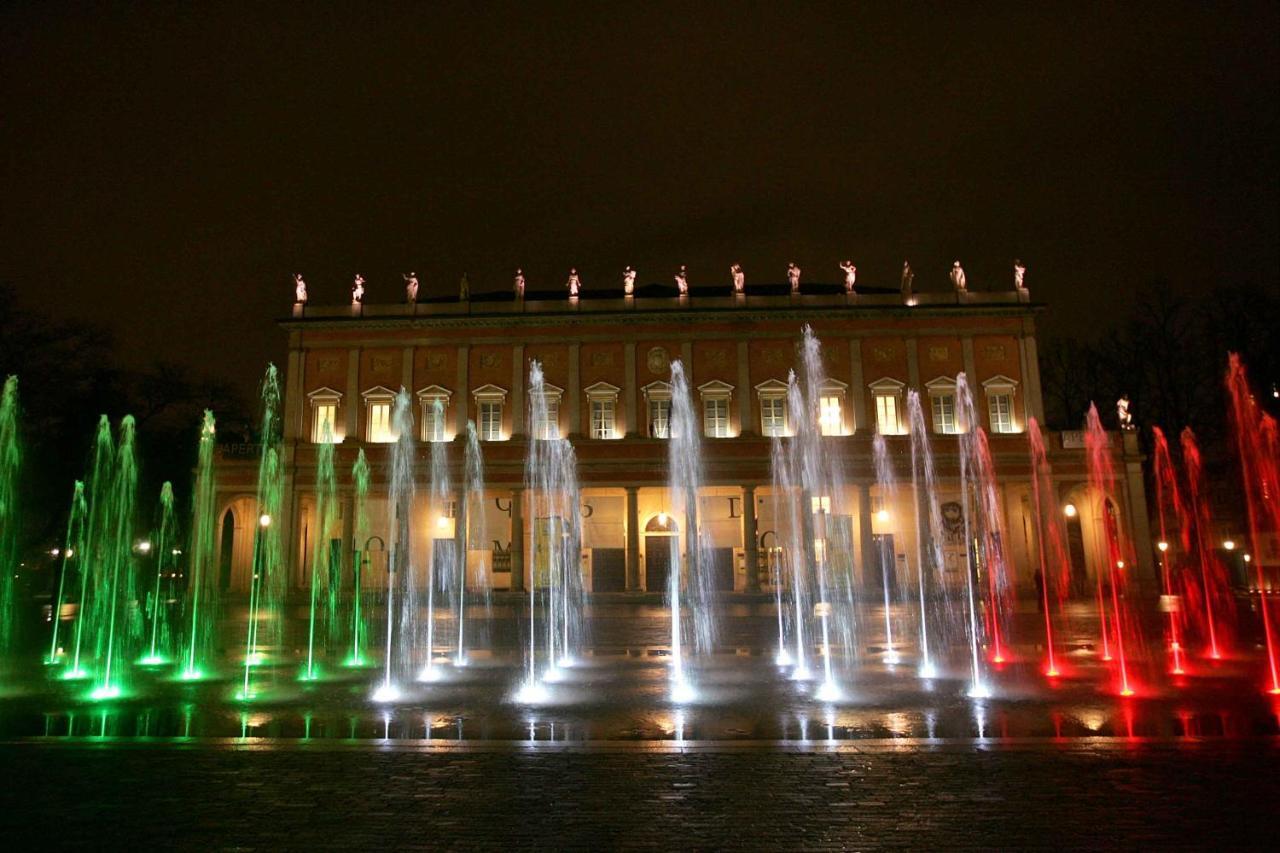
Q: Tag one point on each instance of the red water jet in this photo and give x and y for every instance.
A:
(1167, 492)
(1255, 434)
(1214, 589)
(1102, 483)
(1058, 573)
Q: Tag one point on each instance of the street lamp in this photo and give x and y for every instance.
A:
(1069, 510)
(264, 520)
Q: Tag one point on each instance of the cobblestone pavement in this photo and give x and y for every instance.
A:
(273, 795)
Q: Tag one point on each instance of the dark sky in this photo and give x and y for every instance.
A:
(167, 170)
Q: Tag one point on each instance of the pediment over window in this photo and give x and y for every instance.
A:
(941, 385)
(434, 392)
(489, 392)
(378, 394)
(715, 388)
(887, 385)
(324, 395)
(601, 390)
(772, 388)
(998, 383)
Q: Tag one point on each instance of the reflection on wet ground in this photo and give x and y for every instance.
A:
(625, 698)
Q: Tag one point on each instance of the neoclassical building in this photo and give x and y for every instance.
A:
(606, 358)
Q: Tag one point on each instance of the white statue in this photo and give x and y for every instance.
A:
(629, 281)
(682, 281)
(519, 283)
(1019, 276)
(957, 278)
(739, 278)
(793, 276)
(464, 289)
(299, 289)
(357, 290)
(850, 275)
(573, 283)
(1123, 416)
(908, 279)
(411, 287)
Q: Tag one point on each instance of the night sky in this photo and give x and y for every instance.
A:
(166, 171)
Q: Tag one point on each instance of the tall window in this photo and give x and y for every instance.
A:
(602, 401)
(1001, 414)
(886, 393)
(546, 419)
(380, 423)
(830, 414)
(888, 418)
(944, 413)
(659, 418)
(323, 418)
(715, 417)
(433, 420)
(324, 415)
(378, 402)
(489, 402)
(658, 406)
(773, 416)
(602, 418)
(715, 408)
(490, 420)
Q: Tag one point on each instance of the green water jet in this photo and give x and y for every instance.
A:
(73, 548)
(163, 552)
(10, 467)
(202, 577)
(324, 587)
(267, 586)
(360, 535)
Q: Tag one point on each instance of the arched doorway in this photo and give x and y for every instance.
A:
(225, 549)
(660, 537)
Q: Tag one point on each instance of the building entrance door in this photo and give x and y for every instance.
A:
(657, 562)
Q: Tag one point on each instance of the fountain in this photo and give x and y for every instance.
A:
(555, 577)
(202, 579)
(268, 582)
(402, 582)
(325, 560)
(885, 480)
(1256, 444)
(473, 538)
(10, 465)
(1052, 562)
(1214, 605)
(72, 546)
(442, 561)
(690, 574)
(117, 624)
(1166, 483)
(91, 552)
(1102, 483)
(930, 565)
(162, 549)
(360, 541)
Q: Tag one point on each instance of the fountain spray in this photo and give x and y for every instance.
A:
(888, 495)
(1166, 484)
(401, 576)
(163, 551)
(10, 467)
(73, 545)
(202, 577)
(323, 587)
(360, 532)
(268, 582)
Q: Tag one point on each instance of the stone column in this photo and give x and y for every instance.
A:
(857, 388)
(1136, 505)
(517, 540)
(750, 539)
(866, 542)
(575, 392)
(353, 400)
(464, 393)
(633, 539)
(629, 389)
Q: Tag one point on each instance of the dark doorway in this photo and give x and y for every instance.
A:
(722, 569)
(1075, 554)
(885, 572)
(608, 569)
(225, 552)
(657, 562)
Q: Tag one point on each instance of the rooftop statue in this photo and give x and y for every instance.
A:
(682, 280)
(1123, 415)
(574, 283)
(411, 287)
(850, 275)
(739, 278)
(908, 279)
(464, 289)
(629, 281)
(1019, 275)
(519, 284)
(957, 278)
(357, 290)
(299, 288)
(793, 276)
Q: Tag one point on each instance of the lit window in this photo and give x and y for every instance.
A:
(820, 503)
(602, 399)
(323, 418)
(773, 416)
(490, 420)
(602, 418)
(944, 413)
(489, 402)
(715, 418)
(830, 417)
(658, 404)
(660, 418)
(887, 395)
(324, 415)
(433, 420)
(772, 395)
(378, 402)
(544, 420)
(942, 402)
(1000, 408)
(1000, 412)
(715, 409)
